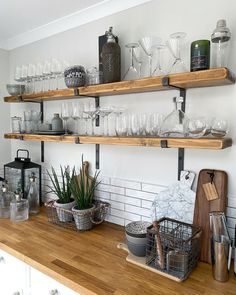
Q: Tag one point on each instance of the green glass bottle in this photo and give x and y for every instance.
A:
(200, 55)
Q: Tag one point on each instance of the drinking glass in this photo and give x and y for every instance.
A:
(91, 111)
(196, 127)
(117, 111)
(65, 114)
(134, 124)
(219, 128)
(174, 45)
(158, 71)
(122, 125)
(104, 112)
(31, 75)
(76, 114)
(148, 44)
(132, 73)
(39, 77)
(46, 75)
(16, 124)
(153, 124)
(36, 118)
(56, 71)
(17, 75)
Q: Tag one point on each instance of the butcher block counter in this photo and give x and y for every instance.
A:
(90, 263)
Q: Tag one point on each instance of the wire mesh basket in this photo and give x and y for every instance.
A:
(79, 220)
(173, 247)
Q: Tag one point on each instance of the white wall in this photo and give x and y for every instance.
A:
(149, 165)
(5, 146)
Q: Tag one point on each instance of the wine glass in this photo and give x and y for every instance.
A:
(104, 112)
(77, 114)
(39, 77)
(46, 74)
(91, 111)
(174, 45)
(17, 75)
(196, 127)
(31, 75)
(132, 73)
(56, 70)
(158, 71)
(66, 114)
(148, 44)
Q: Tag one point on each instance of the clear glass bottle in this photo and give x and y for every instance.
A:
(19, 208)
(33, 195)
(175, 124)
(220, 39)
(5, 199)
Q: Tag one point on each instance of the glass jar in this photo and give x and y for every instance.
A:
(220, 39)
(16, 124)
(200, 55)
(5, 199)
(94, 76)
(19, 209)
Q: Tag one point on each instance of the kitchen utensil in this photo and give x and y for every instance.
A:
(137, 229)
(203, 207)
(177, 261)
(136, 240)
(15, 89)
(16, 124)
(160, 257)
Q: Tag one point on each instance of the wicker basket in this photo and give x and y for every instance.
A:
(87, 219)
(173, 247)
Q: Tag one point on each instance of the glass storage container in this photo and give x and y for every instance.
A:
(19, 208)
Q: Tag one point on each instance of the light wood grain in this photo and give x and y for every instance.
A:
(196, 143)
(212, 77)
(90, 262)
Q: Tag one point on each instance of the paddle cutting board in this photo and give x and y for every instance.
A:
(86, 177)
(203, 206)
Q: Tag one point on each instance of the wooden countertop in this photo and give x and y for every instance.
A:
(90, 262)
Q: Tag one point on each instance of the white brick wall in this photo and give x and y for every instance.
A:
(132, 200)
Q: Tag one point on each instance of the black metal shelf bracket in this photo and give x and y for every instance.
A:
(182, 93)
(42, 142)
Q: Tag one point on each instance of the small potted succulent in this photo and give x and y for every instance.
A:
(62, 189)
(83, 187)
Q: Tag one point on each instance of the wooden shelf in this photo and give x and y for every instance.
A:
(196, 143)
(212, 77)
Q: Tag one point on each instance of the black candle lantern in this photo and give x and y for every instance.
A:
(17, 174)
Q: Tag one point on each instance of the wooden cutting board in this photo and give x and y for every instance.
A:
(203, 206)
(85, 172)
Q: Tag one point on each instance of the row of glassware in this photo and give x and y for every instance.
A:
(79, 118)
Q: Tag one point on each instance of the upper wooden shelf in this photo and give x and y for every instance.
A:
(212, 77)
(196, 143)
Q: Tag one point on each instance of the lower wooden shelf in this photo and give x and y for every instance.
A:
(196, 143)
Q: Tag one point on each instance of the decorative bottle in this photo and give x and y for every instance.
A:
(5, 199)
(111, 59)
(57, 123)
(33, 195)
(200, 55)
(19, 208)
(175, 124)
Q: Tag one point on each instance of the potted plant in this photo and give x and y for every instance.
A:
(83, 187)
(62, 189)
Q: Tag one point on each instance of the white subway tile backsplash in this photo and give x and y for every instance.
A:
(137, 210)
(132, 200)
(117, 205)
(116, 220)
(140, 194)
(152, 188)
(146, 204)
(126, 183)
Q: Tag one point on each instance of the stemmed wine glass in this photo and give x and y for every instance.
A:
(66, 114)
(132, 73)
(56, 70)
(148, 44)
(174, 45)
(158, 71)
(77, 110)
(46, 74)
(92, 112)
(104, 112)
